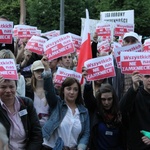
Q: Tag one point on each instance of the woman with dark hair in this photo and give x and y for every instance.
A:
(105, 118)
(68, 125)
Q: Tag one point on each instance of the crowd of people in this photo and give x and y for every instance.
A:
(38, 114)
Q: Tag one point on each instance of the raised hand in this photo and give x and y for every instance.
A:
(45, 62)
(136, 78)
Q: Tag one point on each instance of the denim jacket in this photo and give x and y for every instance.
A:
(58, 112)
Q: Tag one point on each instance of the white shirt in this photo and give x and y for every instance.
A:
(21, 86)
(68, 130)
(41, 107)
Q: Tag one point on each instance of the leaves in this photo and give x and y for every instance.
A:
(45, 14)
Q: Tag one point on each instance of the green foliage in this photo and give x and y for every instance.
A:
(45, 14)
(10, 9)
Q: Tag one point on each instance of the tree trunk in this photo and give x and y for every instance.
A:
(22, 12)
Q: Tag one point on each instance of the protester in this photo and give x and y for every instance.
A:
(3, 138)
(75, 63)
(53, 65)
(20, 83)
(105, 118)
(7, 54)
(18, 116)
(26, 58)
(130, 38)
(94, 45)
(36, 92)
(136, 104)
(121, 82)
(66, 61)
(69, 121)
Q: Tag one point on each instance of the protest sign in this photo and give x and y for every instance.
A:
(25, 31)
(59, 46)
(121, 28)
(103, 46)
(92, 24)
(51, 34)
(146, 46)
(35, 44)
(130, 48)
(76, 40)
(63, 73)
(8, 69)
(100, 68)
(6, 28)
(103, 29)
(115, 45)
(126, 16)
(135, 61)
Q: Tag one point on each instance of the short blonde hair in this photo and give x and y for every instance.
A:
(5, 53)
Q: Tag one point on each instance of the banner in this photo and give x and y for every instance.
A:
(25, 31)
(126, 16)
(146, 46)
(100, 68)
(35, 45)
(130, 48)
(92, 26)
(103, 29)
(63, 73)
(135, 61)
(103, 46)
(6, 28)
(59, 46)
(121, 28)
(76, 40)
(51, 34)
(8, 69)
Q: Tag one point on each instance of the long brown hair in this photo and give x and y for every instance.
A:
(105, 88)
(68, 82)
(33, 82)
(111, 117)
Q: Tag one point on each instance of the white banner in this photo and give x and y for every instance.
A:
(126, 16)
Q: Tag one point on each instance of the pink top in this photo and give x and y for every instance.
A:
(17, 132)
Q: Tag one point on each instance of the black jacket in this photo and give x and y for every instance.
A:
(30, 122)
(95, 119)
(135, 107)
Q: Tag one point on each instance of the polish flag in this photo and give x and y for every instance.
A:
(85, 49)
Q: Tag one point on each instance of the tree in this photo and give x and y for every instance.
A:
(22, 12)
(10, 9)
(43, 14)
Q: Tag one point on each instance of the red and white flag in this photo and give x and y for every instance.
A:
(85, 49)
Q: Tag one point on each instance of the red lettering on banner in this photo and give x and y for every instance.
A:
(6, 63)
(10, 67)
(7, 31)
(108, 65)
(91, 65)
(6, 26)
(4, 36)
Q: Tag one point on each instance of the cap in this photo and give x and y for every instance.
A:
(131, 34)
(37, 65)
